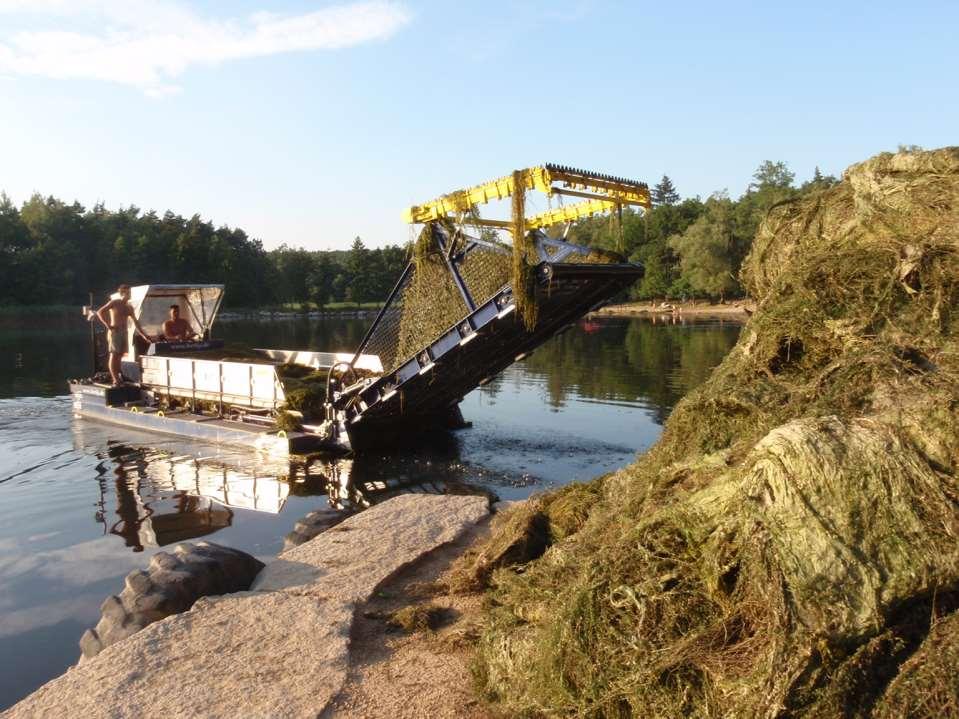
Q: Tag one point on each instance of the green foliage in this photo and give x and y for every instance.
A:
(706, 250)
(52, 252)
(708, 261)
(358, 267)
(771, 174)
(664, 193)
(819, 181)
(14, 240)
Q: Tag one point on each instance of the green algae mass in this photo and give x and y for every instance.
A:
(789, 546)
(305, 390)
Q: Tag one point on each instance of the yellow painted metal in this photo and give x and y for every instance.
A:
(625, 192)
(605, 193)
(461, 200)
(569, 213)
(500, 224)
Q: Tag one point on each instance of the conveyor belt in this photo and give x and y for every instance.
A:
(420, 394)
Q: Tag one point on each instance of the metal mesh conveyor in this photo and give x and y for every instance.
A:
(462, 311)
(466, 308)
(436, 345)
(428, 298)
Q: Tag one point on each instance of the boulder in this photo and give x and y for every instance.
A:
(170, 586)
(279, 650)
(314, 523)
(249, 654)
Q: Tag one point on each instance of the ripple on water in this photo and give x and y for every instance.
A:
(82, 503)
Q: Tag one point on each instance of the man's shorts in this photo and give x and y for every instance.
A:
(118, 340)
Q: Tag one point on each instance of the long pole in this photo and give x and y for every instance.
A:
(93, 337)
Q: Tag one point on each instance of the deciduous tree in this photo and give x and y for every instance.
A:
(705, 250)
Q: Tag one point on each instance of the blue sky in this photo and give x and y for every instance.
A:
(312, 122)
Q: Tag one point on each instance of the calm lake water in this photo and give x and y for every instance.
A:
(82, 503)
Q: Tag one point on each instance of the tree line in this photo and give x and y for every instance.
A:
(693, 247)
(52, 252)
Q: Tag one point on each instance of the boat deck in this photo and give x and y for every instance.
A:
(126, 406)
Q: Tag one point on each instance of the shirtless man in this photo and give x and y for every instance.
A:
(176, 328)
(119, 312)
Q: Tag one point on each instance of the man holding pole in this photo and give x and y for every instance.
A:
(119, 311)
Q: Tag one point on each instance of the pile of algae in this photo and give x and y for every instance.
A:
(789, 547)
(305, 390)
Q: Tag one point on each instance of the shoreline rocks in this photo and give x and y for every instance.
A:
(311, 525)
(280, 649)
(173, 583)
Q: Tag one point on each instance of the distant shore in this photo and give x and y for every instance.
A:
(360, 311)
(738, 308)
(339, 309)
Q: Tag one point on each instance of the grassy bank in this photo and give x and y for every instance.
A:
(788, 548)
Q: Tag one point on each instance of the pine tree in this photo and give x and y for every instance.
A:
(665, 193)
(358, 267)
(819, 181)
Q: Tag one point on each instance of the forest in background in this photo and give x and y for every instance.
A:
(52, 252)
(694, 248)
(55, 253)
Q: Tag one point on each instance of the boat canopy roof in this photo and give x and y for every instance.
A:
(198, 304)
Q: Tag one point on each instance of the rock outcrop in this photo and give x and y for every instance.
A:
(171, 585)
(279, 650)
(312, 524)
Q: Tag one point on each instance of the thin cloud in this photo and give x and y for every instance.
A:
(148, 45)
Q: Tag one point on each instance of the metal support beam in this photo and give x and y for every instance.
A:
(577, 193)
(451, 266)
(383, 309)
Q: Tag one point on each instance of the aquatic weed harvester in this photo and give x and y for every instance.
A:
(467, 305)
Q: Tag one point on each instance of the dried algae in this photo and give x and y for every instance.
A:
(785, 547)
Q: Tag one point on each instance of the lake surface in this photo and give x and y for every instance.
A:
(82, 503)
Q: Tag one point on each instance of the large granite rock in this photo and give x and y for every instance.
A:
(250, 654)
(172, 584)
(280, 650)
(347, 561)
(314, 523)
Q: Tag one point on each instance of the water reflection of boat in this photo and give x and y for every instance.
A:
(168, 494)
(220, 483)
(182, 490)
(160, 498)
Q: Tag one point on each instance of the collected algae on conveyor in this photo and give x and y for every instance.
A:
(431, 300)
(789, 546)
